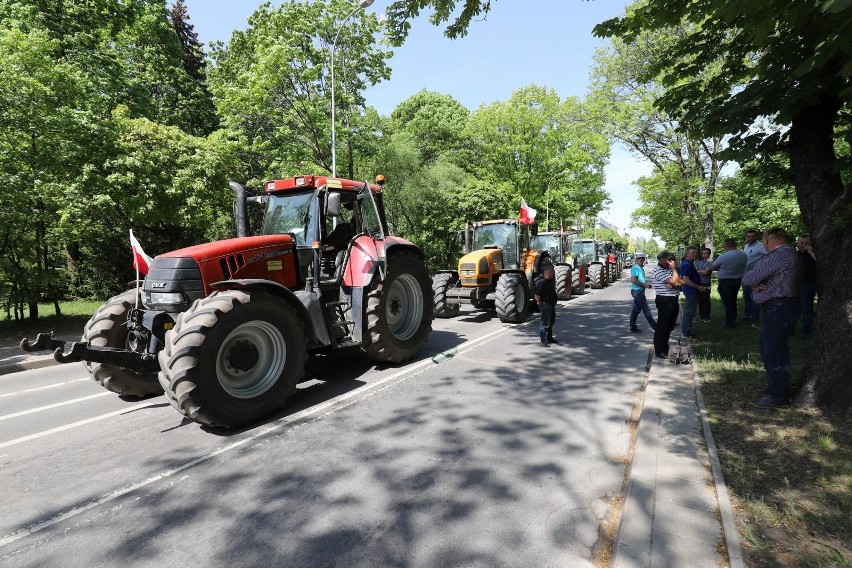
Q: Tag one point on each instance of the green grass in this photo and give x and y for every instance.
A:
(75, 314)
(789, 471)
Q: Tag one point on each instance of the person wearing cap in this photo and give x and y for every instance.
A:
(637, 290)
(667, 283)
(692, 288)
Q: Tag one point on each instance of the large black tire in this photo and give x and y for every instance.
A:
(399, 310)
(106, 329)
(233, 358)
(512, 298)
(442, 282)
(613, 272)
(563, 282)
(577, 286)
(596, 276)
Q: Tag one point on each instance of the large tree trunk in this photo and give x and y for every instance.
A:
(823, 201)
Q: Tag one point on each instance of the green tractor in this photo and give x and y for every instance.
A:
(570, 278)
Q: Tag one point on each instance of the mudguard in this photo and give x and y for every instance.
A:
(365, 256)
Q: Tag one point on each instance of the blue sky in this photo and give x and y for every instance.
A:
(546, 42)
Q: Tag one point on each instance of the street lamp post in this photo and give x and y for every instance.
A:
(361, 5)
(547, 197)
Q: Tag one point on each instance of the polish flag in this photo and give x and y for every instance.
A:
(141, 261)
(527, 213)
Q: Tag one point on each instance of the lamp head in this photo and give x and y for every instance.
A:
(365, 4)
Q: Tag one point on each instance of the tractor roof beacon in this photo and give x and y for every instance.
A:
(224, 328)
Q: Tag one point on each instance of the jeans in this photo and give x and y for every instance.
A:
(545, 326)
(689, 309)
(778, 319)
(807, 293)
(640, 304)
(667, 311)
(728, 290)
(704, 302)
(752, 309)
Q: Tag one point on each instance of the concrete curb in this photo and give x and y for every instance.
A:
(27, 364)
(726, 511)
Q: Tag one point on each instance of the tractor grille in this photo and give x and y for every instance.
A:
(168, 276)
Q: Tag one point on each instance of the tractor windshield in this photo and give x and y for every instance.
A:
(584, 248)
(292, 213)
(504, 237)
(550, 243)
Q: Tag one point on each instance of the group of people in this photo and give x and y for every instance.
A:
(778, 284)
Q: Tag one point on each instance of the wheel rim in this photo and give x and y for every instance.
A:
(404, 307)
(251, 359)
(520, 298)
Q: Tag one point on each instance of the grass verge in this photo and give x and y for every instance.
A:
(789, 471)
(74, 316)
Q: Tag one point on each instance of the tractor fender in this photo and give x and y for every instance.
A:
(306, 305)
(364, 255)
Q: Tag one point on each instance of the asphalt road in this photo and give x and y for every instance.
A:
(488, 450)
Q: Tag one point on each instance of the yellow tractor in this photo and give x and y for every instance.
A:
(497, 272)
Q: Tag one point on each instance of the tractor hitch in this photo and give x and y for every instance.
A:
(130, 360)
(43, 342)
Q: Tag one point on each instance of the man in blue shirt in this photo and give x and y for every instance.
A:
(692, 287)
(637, 290)
(754, 250)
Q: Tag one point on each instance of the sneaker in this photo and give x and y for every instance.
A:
(552, 340)
(769, 401)
(662, 355)
(635, 330)
(545, 344)
(764, 390)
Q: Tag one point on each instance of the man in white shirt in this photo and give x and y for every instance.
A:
(754, 250)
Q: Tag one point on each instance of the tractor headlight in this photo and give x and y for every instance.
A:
(152, 298)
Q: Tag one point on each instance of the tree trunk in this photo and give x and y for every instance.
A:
(823, 201)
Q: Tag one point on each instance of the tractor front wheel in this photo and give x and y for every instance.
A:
(107, 328)
(512, 298)
(233, 358)
(596, 276)
(444, 308)
(563, 282)
(399, 310)
(578, 280)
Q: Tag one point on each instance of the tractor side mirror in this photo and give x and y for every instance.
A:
(332, 205)
(534, 229)
(460, 237)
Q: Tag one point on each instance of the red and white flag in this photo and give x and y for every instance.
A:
(141, 261)
(527, 213)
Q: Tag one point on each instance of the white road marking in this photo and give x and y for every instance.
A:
(53, 386)
(76, 424)
(411, 371)
(57, 405)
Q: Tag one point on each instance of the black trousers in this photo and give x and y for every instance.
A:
(667, 310)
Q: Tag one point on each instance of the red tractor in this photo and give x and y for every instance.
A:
(224, 328)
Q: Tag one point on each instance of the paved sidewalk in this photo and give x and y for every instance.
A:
(676, 510)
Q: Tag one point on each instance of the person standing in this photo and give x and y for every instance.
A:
(638, 285)
(731, 265)
(704, 297)
(545, 296)
(692, 287)
(808, 289)
(754, 250)
(666, 282)
(775, 281)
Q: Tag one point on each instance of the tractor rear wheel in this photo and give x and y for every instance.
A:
(444, 308)
(107, 328)
(563, 282)
(512, 298)
(578, 280)
(233, 358)
(399, 310)
(596, 276)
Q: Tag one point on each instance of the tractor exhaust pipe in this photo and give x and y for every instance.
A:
(240, 217)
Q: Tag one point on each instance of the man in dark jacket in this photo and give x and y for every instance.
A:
(545, 296)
